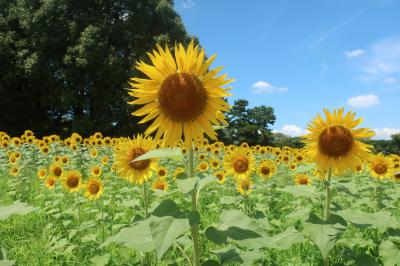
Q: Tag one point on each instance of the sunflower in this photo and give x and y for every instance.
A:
(64, 159)
(72, 180)
(239, 163)
(93, 188)
(177, 172)
(41, 173)
(293, 166)
(267, 169)
(105, 160)
(334, 142)
(160, 184)
(95, 171)
(14, 170)
(182, 96)
(396, 177)
(162, 172)
(302, 179)
(127, 151)
(93, 153)
(220, 176)
(56, 170)
(358, 168)
(244, 186)
(50, 182)
(381, 166)
(44, 149)
(203, 167)
(12, 159)
(215, 164)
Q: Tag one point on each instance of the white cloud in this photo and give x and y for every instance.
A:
(363, 101)
(381, 61)
(188, 4)
(266, 87)
(385, 133)
(391, 80)
(354, 53)
(291, 130)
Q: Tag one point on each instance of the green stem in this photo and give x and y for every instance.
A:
(194, 227)
(183, 253)
(146, 200)
(79, 208)
(102, 220)
(377, 186)
(245, 204)
(328, 204)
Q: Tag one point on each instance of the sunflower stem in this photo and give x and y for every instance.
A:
(79, 208)
(102, 220)
(377, 185)
(328, 204)
(194, 227)
(145, 199)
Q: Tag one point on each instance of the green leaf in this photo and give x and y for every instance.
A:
(3, 258)
(100, 260)
(288, 238)
(231, 255)
(365, 259)
(390, 253)
(209, 179)
(16, 208)
(300, 191)
(173, 153)
(324, 234)
(381, 220)
(187, 185)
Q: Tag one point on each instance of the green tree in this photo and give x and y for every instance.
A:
(65, 64)
(281, 140)
(249, 125)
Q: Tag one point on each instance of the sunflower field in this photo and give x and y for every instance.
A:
(177, 196)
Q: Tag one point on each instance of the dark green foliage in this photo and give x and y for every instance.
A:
(248, 124)
(386, 146)
(65, 64)
(281, 140)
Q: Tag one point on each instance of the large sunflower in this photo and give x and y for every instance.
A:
(180, 94)
(72, 180)
(334, 141)
(239, 163)
(127, 151)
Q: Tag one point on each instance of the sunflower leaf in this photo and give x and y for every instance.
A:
(390, 253)
(16, 208)
(175, 154)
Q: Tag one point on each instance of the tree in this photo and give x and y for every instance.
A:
(249, 125)
(281, 140)
(65, 64)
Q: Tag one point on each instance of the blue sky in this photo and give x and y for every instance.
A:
(302, 56)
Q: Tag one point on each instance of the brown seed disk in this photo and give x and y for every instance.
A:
(73, 181)
(380, 168)
(94, 188)
(182, 97)
(240, 164)
(138, 165)
(265, 170)
(335, 141)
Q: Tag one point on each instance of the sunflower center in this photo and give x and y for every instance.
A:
(73, 181)
(380, 168)
(303, 181)
(94, 188)
(161, 172)
(335, 141)
(182, 97)
(137, 165)
(397, 176)
(50, 182)
(57, 171)
(265, 170)
(220, 177)
(241, 164)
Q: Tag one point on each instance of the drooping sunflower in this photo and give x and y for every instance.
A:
(381, 166)
(127, 151)
(160, 184)
(180, 94)
(50, 182)
(93, 188)
(302, 179)
(244, 186)
(267, 169)
(334, 141)
(72, 180)
(239, 162)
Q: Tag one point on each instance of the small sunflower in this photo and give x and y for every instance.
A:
(244, 186)
(267, 169)
(127, 151)
(72, 180)
(334, 141)
(302, 179)
(160, 184)
(181, 94)
(203, 167)
(293, 166)
(215, 164)
(162, 172)
(93, 153)
(50, 182)
(56, 170)
(105, 160)
(14, 171)
(93, 188)
(41, 173)
(381, 166)
(177, 172)
(96, 171)
(239, 162)
(220, 176)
